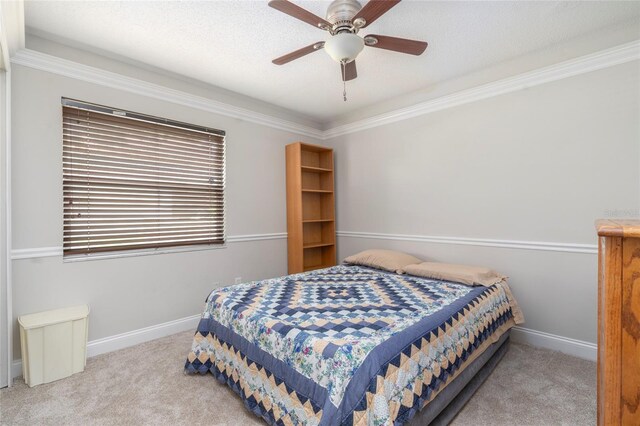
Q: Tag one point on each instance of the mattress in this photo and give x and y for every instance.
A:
(345, 345)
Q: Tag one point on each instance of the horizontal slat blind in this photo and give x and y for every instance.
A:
(130, 183)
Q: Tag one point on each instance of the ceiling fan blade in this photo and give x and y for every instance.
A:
(403, 45)
(373, 10)
(297, 12)
(350, 71)
(298, 53)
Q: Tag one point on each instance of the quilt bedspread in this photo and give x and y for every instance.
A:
(343, 345)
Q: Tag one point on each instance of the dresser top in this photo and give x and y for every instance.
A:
(618, 227)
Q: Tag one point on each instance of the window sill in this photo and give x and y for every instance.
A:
(143, 252)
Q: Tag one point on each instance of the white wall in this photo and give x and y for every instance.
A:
(536, 165)
(131, 293)
(540, 165)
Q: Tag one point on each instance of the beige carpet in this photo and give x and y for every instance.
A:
(145, 384)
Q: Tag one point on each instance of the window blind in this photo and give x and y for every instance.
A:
(132, 181)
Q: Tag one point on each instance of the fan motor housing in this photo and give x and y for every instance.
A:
(341, 12)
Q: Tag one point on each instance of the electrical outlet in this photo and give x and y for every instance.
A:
(238, 280)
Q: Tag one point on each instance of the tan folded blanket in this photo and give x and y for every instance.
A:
(465, 274)
(470, 275)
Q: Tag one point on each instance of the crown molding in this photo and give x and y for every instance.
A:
(592, 62)
(40, 252)
(44, 62)
(509, 244)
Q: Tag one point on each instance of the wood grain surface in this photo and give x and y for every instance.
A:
(618, 322)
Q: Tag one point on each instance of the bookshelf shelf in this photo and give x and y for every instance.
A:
(315, 169)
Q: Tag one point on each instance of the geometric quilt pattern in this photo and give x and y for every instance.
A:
(411, 392)
(339, 303)
(294, 347)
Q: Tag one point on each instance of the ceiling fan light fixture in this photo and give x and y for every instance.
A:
(344, 47)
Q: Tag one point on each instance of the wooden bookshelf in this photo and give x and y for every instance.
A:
(310, 207)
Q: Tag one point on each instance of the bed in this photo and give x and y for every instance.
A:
(352, 345)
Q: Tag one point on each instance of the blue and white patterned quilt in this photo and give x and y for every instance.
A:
(343, 345)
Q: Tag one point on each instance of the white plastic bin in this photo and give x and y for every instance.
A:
(54, 344)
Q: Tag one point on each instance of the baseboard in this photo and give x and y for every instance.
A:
(573, 347)
(540, 339)
(130, 338)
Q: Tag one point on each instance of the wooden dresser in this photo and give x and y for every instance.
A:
(618, 322)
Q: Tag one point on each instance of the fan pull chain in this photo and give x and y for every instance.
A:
(344, 80)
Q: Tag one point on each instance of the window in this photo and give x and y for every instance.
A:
(134, 182)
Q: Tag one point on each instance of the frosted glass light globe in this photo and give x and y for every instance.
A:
(344, 47)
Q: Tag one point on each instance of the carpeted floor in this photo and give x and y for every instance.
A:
(145, 384)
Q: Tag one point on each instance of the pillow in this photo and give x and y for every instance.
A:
(389, 260)
(465, 274)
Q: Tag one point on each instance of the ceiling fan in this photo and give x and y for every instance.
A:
(344, 19)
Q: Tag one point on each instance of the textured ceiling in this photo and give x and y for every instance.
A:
(230, 44)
